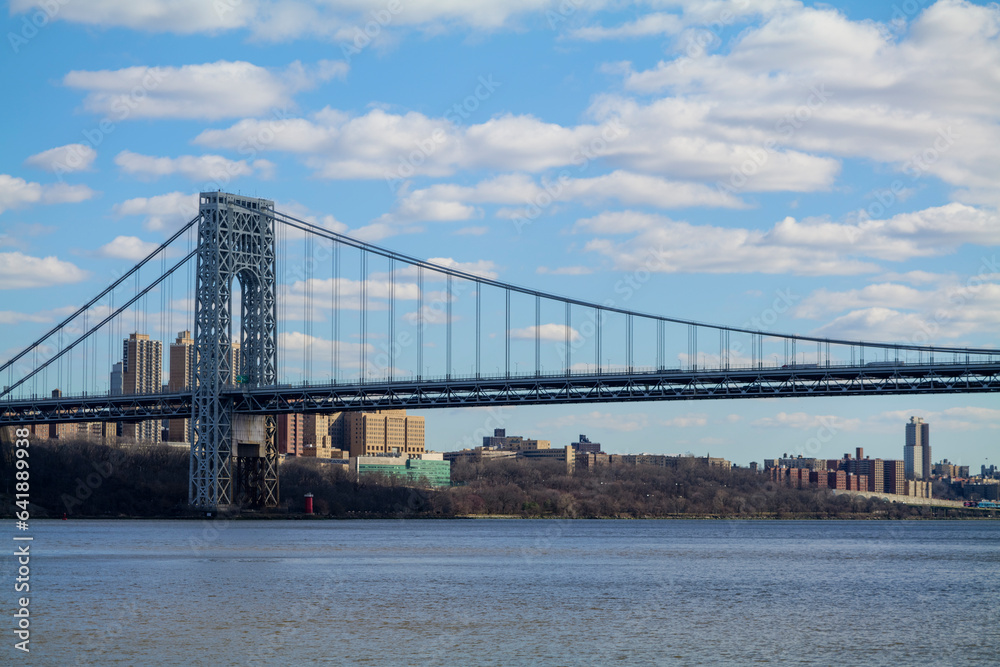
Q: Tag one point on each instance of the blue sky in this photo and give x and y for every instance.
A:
(837, 158)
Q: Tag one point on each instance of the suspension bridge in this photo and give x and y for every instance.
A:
(401, 333)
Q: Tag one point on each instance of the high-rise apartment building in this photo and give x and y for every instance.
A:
(894, 478)
(142, 373)
(874, 470)
(291, 427)
(181, 378)
(917, 451)
(381, 432)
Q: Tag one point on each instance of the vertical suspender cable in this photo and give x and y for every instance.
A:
(392, 316)
(598, 316)
(569, 352)
(449, 296)
(421, 322)
(506, 335)
(479, 290)
(364, 315)
(538, 333)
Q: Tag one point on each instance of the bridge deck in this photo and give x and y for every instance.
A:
(422, 393)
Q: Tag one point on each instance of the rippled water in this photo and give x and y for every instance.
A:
(504, 592)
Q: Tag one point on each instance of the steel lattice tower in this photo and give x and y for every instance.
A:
(233, 457)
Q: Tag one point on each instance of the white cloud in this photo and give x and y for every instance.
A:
(195, 167)
(18, 271)
(179, 16)
(950, 309)
(10, 317)
(686, 421)
(657, 140)
(127, 247)
(553, 332)
(449, 203)
(64, 159)
(483, 268)
(645, 26)
(16, 192)
(293, 344)
(600, 421)
(809, 79)
(300, 212)
(222, 89)
(163, 212)
(807, 247)
(565, 270)
(279, 21)
(802, 420)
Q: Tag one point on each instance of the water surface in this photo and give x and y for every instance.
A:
(506, 592)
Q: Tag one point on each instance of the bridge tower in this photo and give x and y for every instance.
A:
(233, 456)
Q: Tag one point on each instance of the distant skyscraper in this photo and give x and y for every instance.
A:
(116, 379)
(917, 451)
(181, 379)
(142, 373)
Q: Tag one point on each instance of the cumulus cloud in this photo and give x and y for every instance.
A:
(222, 89)
(163, 212)
(803, 420)
(127, 247)
(18, 271)
(656, 139)
(64, 159)
(553, 332)
(293, 344)
(645, 26)
(810, 79)
(16, 192)
(951, 308)
(280, 21)
(806, 247)
(194, 167)
(600, 420)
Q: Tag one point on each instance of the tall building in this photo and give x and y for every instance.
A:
(874, 470)
(181, 378)
(917, 451)
(290, 433)
(894, 478)
(381, 432)
(142, 373)
(116, 379)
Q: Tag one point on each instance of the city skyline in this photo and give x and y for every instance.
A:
(817, 239)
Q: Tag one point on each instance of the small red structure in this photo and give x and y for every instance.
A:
(309, 503)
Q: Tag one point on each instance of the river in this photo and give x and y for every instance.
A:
(512, 592)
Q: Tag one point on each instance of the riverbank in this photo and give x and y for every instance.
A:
(91, 480)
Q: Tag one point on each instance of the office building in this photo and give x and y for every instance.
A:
(142, 373)
(917, 451)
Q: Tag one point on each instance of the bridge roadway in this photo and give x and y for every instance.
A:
(664, 385)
